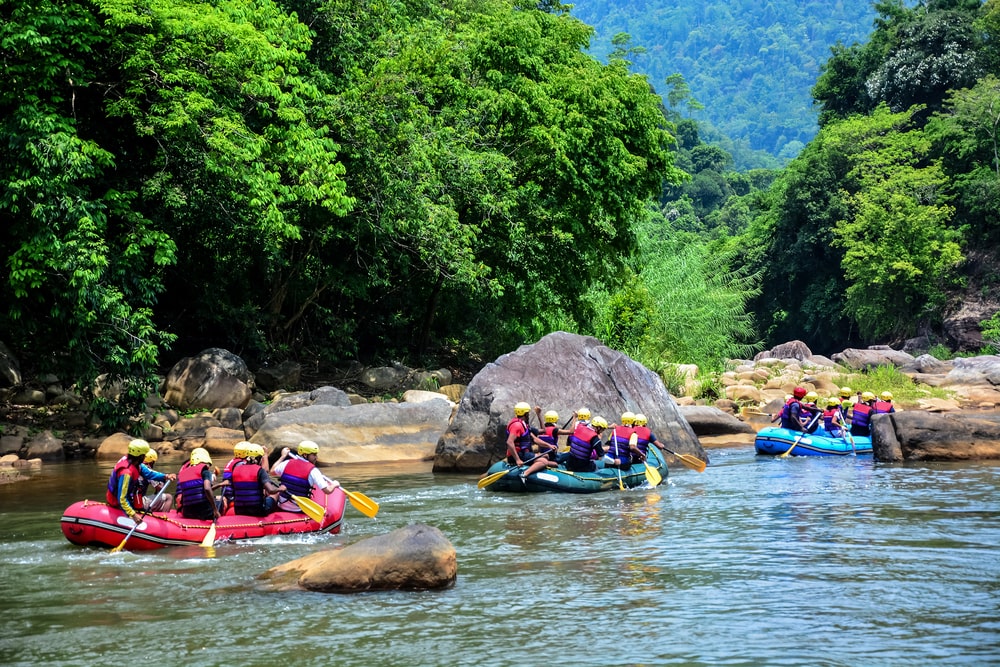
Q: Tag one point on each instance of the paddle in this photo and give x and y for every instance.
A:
(144, 513)
(788, 451)
(653, 477)
(311, 508)
(614, 435)
(362, 503)
(689, 460)
(492, 477)
(209, 538)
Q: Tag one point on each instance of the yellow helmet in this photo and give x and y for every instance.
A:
(308, 447)
(845, 392)
(867, 396)
(551, 417)
(240, 449)
(200, 455)
(521, 409)
(628, 418)
(640, 419)
(599, 422)
(812, 397)
(151, 456)
(138, 447)
(887, 396)
(253, 451)
(583, 414)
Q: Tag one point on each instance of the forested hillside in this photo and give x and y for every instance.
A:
(329, 180)
(750, 63)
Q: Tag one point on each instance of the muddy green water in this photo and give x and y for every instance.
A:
(758, 561)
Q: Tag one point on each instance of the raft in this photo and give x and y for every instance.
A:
(567, 481)
(95, 523)
(776, 441)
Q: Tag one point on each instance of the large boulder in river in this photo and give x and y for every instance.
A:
(561, 372)
(916, 435)
(709, 420)
(417, 557)
(215, 378)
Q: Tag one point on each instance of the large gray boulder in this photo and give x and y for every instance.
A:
(562, 372)
(215, 378)
(417, 557)
(709, 421)
(916, 435)
(879, 355)
(364, 433)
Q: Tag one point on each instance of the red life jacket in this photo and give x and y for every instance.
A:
(132, 494)
(883, 407)
(191, 487)
(523, 441)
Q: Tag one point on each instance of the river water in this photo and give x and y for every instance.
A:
(757, 561)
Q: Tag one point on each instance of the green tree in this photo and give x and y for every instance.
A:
(899, 251)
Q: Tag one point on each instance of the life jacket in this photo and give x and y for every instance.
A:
(550, 434)
(790, 415)
(883, 407)
(643, 437)
(132, 494)
(248, 494)
(191, 489)
(295, 477)
(227, 476)
(832, 420)
(523, 442)
(618, 444)
(580, 446)
(862, 416)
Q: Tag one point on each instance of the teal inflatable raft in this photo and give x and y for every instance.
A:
(566, 481)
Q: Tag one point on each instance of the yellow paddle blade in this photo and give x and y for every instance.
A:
(209, 538)
(311, 508)
(690, 461)
(489, 479)
(362, 503)
(122, 545)
(653, 476)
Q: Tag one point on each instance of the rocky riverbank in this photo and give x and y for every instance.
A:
(395, 413)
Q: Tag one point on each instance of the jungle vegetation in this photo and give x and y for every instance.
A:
(327, 180)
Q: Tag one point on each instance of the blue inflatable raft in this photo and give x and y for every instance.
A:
(775, 441)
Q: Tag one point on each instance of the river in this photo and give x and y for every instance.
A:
(757, 561)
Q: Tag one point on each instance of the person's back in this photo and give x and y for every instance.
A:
(254, 493)
(791, 413)
(861, 415)
(194, 487)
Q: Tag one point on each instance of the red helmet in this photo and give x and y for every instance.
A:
(799, 392)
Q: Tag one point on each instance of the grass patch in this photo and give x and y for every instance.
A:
(889, 378)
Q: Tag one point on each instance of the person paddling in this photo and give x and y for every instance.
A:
(299, 475)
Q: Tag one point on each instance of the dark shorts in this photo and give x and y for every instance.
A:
(580, 465)
(203, 512)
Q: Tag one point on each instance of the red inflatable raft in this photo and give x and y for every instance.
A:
(95, 523)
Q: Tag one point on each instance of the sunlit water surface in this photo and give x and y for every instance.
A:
(758, 561)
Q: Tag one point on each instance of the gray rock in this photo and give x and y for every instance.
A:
(213, 379)
(416, 557)
(916, 435)
(860, 360)
(46, 447)
(562, 372)
(984, 369)
(359, 433)
(706, 420)
(285, 375)
(794, 349)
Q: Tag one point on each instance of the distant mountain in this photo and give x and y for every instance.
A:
(751, 63)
